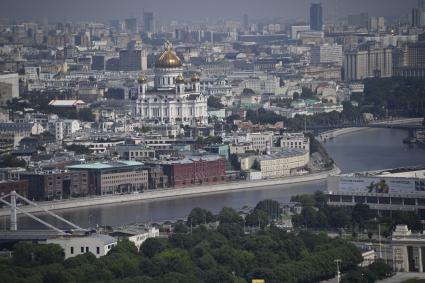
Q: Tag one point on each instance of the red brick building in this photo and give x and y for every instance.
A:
(195, 171)
(21, 187)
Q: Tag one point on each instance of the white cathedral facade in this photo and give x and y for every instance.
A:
(170, 102)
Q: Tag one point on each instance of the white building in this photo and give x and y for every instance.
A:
(135, 235)
(295, 140)
(260, 141)
(97, 244)
(170, 102)
(9, 87)
(327, 54)
(285, 163)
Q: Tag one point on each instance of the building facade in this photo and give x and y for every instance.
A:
(195, 171)
(56, 184)
(285, 163)
(114, 177)
(368, 63)
(9, 87)
(170, 101)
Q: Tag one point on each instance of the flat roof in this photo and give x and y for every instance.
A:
(106, 165)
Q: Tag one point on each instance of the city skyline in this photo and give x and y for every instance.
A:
(195, 10)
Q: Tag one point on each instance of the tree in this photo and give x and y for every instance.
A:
(214, 102)
(153, 246)
(199, 216)
(230, 216)
(11, 161)
(86, 114)
(270, 207)
(78, 149)
(361, 213)
(296, 96)
(306, 93)
(258, 218)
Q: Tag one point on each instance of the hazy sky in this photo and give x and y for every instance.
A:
(192, 9)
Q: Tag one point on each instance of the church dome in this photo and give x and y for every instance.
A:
(142, 79)
(168, 59)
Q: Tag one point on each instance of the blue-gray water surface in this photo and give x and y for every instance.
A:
(366, 150)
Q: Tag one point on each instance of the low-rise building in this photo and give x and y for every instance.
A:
(134, 151)
(135, 235)
(295, 140)
(195, 170)
(260, 141)
(19, 186)
(114, 177)
(285, 163)
(97, 244)
(56, 184)
(384, 191)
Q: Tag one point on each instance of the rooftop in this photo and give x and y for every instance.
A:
(105, 165)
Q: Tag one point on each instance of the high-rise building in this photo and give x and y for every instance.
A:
(376, 24)
(131, 25)
(327, 54)
(9, 87)
(415, 17)
(148, 22)
(133, 60)
(421, 5)
(316, 16)
(368, 62)
(358, 20)
(409, 60)
(245, 22)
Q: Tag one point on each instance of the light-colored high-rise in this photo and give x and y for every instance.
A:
(368, 63)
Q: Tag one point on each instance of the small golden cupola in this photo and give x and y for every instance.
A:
(180, 79)
(195, 77)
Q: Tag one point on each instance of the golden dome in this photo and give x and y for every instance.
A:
(142, 79)
(168, 58)
(195, 77)
(180, 79)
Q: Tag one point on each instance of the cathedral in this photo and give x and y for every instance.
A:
(170, 101)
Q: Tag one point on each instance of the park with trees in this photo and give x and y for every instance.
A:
(206, 247)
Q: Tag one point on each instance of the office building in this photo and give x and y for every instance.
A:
(327, 54)
(246, 22)
(9, 87)
(260, 141)
(369, 62)
(98, 63)
(295, 140)
(56, 184)
(377, 24)
(133, 60)
(358, 20)
(114, 177)
(131, 25)
(148, 22)
(19, 186)
(384, 191)
(284, 163)
(316, 17)
(195, 170)
(409, 60)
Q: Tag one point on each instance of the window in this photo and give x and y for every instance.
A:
(97, 250)
(82, 249)
(87, 249)
(72, 250)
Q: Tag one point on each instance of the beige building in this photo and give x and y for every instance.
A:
(368, 63)
(285, 163)
(260, 141)
(295, 140)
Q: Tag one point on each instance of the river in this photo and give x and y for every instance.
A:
(366, 150)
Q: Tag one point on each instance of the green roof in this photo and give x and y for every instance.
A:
(106, 165)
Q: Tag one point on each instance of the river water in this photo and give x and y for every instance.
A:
(366, 150)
